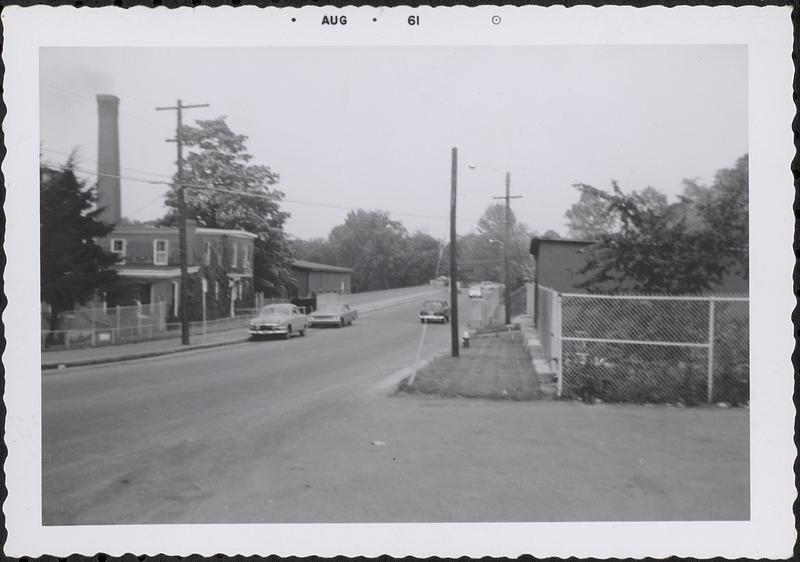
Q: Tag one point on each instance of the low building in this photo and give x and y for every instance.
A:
(311, 279)
(149, 260)
(559, 262)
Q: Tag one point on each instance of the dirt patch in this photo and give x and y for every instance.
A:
(493, 368)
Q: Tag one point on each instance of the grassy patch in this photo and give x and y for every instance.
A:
(494, 368)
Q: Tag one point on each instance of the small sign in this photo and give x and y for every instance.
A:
(205, 285)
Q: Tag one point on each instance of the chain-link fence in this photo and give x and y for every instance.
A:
(94, 326)
(654, 349)
(519, 300)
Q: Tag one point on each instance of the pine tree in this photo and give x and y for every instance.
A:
(73, 266)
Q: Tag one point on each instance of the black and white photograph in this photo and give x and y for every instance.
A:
(402, 285)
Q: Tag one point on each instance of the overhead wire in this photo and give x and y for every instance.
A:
(255, 195)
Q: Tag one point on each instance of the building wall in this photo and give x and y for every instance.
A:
(558, 265)
(222, 252)
(328, 281)
(560, 261)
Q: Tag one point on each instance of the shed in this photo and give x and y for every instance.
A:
(314, 278)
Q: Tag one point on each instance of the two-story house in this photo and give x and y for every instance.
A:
(220, 265)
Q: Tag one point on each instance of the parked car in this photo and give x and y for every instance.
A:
(334, 314)
(283, 319)
(488, 286)
(475, 292)
(435, 310)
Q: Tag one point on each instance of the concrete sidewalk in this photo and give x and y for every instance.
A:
(60, 359)
(124, 352)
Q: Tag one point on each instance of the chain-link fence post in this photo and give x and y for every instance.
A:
(556, 304)
(710, 350)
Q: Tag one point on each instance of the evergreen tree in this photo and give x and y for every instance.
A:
(73, 266)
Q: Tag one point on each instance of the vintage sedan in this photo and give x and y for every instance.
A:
(334, 314)
(435, 310)
(284, 319)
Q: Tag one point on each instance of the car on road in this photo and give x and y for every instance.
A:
(334, 314)
(283, 319)
(435, 310)
(475, 292)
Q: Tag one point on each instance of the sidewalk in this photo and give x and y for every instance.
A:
(60, 359)
(95, 355)
(494, 367)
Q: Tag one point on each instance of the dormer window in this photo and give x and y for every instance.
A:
(160, 252)
(207, 254)
(119, 248)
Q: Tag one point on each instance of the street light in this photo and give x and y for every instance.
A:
(508, 197)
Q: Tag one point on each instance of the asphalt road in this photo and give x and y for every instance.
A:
(303, 431)
(176, 437)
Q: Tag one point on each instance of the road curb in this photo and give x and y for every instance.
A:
(57, 365)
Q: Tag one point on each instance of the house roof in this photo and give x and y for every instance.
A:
(537, 242)
(312, 266)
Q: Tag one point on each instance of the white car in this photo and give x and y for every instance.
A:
(282, 319)
(475, 292)
(336, 314)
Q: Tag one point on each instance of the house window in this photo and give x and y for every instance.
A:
(235, 256)
(119, 247)
(207, 254)
(216, 289)
(160, 252)
(245, 257)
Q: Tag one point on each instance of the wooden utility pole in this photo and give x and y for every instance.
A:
(508, 197)
(453, 257)
(184, 258)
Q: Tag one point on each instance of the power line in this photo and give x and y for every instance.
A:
(256, 195)
(94, 160)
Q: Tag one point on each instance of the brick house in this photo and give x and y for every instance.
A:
(150, 263)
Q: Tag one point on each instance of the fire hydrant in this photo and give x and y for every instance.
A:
(465, 339)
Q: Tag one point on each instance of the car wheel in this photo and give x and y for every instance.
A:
(421, 320)
(341, 323)
(288, 332)
(302, 332)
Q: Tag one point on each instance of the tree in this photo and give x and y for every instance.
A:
(316, 250)
(73, 266)
(422, 259)
(683, 248)
(373, 245)
(590, 217)
(218, 158)
(481, 253)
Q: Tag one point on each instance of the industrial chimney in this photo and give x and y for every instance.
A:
(108, 183)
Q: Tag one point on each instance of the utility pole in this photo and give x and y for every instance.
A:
(453, 256)
(508, 197)
(184, 258)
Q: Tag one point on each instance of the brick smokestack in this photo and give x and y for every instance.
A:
(108, 183)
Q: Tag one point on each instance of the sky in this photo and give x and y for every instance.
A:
(373, 127)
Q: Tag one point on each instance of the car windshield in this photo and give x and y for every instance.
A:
(434, 304)
(277, 309)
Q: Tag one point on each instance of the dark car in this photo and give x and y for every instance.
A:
(435, 310)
